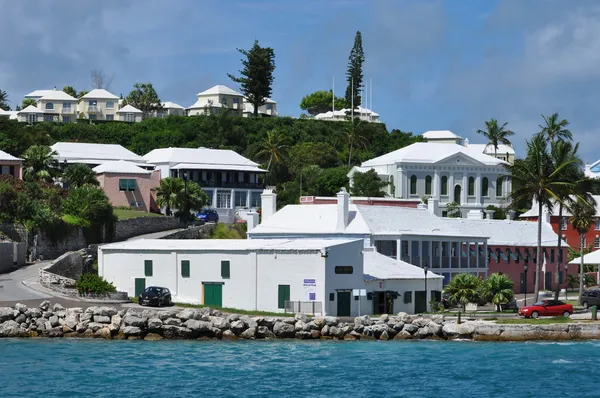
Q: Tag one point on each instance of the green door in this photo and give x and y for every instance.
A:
(213, 294)
(343, 303)
(548, 285)
(420, 302)
(140, 286)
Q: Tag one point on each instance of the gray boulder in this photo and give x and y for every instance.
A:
(234, 317)
(384, 336)
(384, 318)
(300, 326)
(53, 321)
(22, 308)
(105, 311)
(398, 326)
(300, 335)
(101, 319)
(248, 333)
(363, 320)
(302, 317)
(176, 332)
(462, 331)
(58, 307)
(334, 331)
(113, 327)
(47, 314)
(325, 331)
(404, 317)
(423, 332)
(435, 328)
(9, 329)
(250, 322)
(164, 315)
(86, 316)
(81, 327)
(264, 332)
(44, 305)
(439, 319)
(6, 313)
(95, 326)
(313, 326)
(403, 335)
(34, 312)
(131, 331)
(131, 320)
(74, 310)
(198, 326)
(54, 332)
(154, 323)
(284, 330)
(331, 321)
(412, 329)
(420, 322)
(190, 313)
(116, 319)
(228, 335)
(172, 321)
(219, 323)
(21, 318)
(237, 327)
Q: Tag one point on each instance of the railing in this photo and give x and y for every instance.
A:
(92, 108)
(67, 111)
(225, 184)
(305, 307)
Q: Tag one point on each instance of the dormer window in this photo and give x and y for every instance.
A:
(110, 105)
(49, 105)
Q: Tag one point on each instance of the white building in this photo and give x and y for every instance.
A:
(230, 180)
(503, 152)
(268, 109)
(55, 105)
(30, 114)
(171, 108)
(214, 100)
(129, 114)
(361, 113)
(264, 275)
(444, 170)
(99, 104)
(95, 154)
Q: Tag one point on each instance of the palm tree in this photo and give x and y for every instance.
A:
(274, 147)
(496, 134)
(4, 100)
(463, 289)
(355, 137)
(498, 289)
(582, 218)
(77, 175)
(538, 178)
(555, 129)
(37, 161)
(168, 193)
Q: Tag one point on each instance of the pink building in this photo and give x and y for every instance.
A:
(126, 184)
(10, 165)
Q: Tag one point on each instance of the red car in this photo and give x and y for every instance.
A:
(546, 308)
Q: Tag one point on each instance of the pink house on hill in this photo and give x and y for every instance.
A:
(10, 165)
(126, 184)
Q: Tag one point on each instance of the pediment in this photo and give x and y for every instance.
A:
(459, 159)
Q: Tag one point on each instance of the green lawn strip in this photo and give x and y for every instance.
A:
(126, 214)
(539, 321)
(237, 311)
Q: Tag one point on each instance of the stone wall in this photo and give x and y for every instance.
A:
(197, 232)
(126, 229)
(72, 265)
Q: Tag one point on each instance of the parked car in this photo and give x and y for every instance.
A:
(155, 296)
(590, 297)
(546, 308)
(208, 215)
(511, 306)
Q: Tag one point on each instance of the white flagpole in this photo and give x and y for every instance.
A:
(333, 91)
(371, 98)
(352, 98)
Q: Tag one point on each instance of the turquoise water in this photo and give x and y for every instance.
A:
(82, 368)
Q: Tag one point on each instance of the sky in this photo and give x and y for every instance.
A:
(434, 65)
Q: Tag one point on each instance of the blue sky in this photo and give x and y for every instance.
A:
(434, 64)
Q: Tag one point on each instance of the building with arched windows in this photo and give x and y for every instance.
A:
(443, 169)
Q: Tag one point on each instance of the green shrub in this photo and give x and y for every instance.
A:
(92, 283)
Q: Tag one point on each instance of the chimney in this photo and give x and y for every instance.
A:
(432, 206)
(466, 142)
(251, 218)
(588, 170)
(268, 204)
(475, 215)
(510, 215)
(489, 214)
(343, 201)
(545, 215)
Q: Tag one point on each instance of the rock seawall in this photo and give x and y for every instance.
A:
(207, 323)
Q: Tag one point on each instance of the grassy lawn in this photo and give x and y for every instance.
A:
(539, 321)
(126, 214)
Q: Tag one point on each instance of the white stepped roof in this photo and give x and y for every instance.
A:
(74, 151)
(379, 267)
(203, 103)
(440, 135)
(120, 167)
(100, 93)
(171, 105)
(38, 93)
(31, 109)
(592, 258)
(129, 109)
(8, 156)
(430, 152)
(57, 95)
(198, 156)
(219, 89)
(489, 148)
(533, 212)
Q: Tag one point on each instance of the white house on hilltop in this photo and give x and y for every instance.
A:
(129, 114)
(215, 99)
(99, 104)
(344, 114)
(268, 109)
(171, 108)
(55, 106)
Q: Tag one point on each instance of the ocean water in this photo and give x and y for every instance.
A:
(98, 368)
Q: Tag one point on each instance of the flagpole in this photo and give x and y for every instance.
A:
(371, 98)
(333, 92)
(352, 98)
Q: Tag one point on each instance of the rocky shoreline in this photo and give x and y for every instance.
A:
(207, 323)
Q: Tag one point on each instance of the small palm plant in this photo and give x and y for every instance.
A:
(498, 289)
(463, 289)
(582, 219)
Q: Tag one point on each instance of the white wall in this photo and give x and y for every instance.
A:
(349, 254)
(400, 286)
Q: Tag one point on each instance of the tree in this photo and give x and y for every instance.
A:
(168, 192)
(37, 162)
(274, 147)
(173, 193)
(368, 184)
(321, 101)
(537, 178)
(355, 137)
(101, 80)
(321, 154)
(354, 75)
(257, 75)
(4, 101)
(453, 210)
(554, 129)
(81, 93)
(144, 98)
(77, 175)
(497, 288)
(89, 205)
(27, 102)
(331, 180)
(496, 134)
(70, 90)
(582, 218)
(463, 289)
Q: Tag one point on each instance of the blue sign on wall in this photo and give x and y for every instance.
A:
(312, 296)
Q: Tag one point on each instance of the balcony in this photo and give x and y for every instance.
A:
(231, 185)
(67, 111)
(93, 109)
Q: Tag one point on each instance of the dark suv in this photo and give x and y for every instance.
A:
(208, 215)
(590, 297)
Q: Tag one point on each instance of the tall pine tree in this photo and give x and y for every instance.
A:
(354, 73)
(257, 76)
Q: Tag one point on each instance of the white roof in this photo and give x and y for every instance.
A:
(171, 105)
(533, 212)
(267, 101)
(58, 95)
(590, 258)
(431, 152)
(7, 156)
(203, 103)
(73, 152)
(199, 156)
(219, 89)
(225, 244)
(377, 267)
(196, 166)
(31, 109)
(440, 135)
(38, 93)
(120, 167)
(100, 93)
(489, 148)
(129, 109)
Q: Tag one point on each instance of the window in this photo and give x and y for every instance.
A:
(407, 297)
(129, 117)
(484, 187)
(347, 269)
(597, 223)
(92, 103)
(283, 295)
(223, 199)
(564, 223)
(185, 268)
(66, 119)
(413, 185)
(240, 198)
(110, 117)
(110, 105)
(224, 100)
(236, 100)
(255, 199)
(331, 296)
(471, 186)
(428, 185)
(148, 267)
(499, 182)
(49, 105)
(31, 118)
(225, 269)
(596, 242)
(270, 107)
(48, 118)
(92, 117)
(127, 185)
(444, 185)
(66, 106)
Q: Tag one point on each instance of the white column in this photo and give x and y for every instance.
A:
(465, 189)
(451, 188)
(478, 188)
(485, 251)
(477, 253)
(430, 260)
(398, 249)
(435, 190)
(214, 199)
(248, 199)
(232, 204)
(410, 253)
(420, 253)
(441, 250)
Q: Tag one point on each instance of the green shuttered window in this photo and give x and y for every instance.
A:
(148, 267)
(283, 295)
(127, 185)
(185, 268)
(225, 269)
